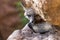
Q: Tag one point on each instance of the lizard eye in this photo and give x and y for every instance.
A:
(29, 15)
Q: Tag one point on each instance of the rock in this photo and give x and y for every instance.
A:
(48, 9)
(23, 35)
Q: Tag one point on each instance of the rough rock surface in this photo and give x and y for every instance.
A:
(49, 8)
(27, 34)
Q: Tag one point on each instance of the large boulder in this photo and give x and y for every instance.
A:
(50, 9)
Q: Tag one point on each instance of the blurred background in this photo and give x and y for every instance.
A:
(11, 17)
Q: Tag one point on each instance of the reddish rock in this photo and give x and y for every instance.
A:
(50, 8)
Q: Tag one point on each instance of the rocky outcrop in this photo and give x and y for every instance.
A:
(43, 8)
(27, 34)
(50, 9)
